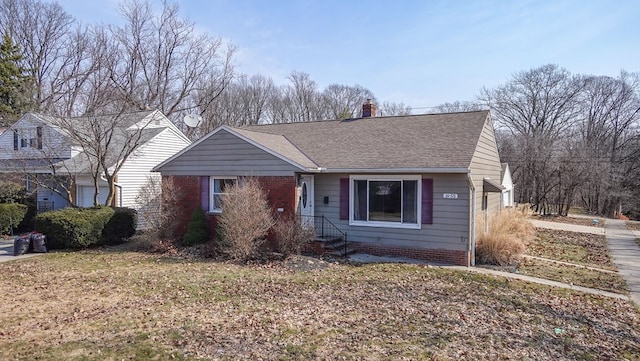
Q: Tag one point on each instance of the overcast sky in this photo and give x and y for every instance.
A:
(422, 53)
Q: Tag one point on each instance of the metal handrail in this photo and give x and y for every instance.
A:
(324, 228)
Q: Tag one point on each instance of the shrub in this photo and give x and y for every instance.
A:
(73, 227)
(11, 214)
(503, 239)
(197, 230)
(29, 219)
(245, 220)
(291, 235)
(120, 226)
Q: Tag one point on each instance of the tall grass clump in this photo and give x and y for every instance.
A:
(502, 239)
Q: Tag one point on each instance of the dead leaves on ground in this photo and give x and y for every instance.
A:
(144, 308)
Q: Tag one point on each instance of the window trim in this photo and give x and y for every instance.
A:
(385, 177)
(212, 192)
(27, 138)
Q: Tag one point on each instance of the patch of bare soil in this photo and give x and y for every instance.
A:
(123, 305)
(573, 220)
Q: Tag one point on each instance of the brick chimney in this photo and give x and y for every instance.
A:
(368, 109)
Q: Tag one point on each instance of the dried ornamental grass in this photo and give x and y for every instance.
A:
(503, 239)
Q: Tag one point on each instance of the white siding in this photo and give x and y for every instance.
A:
(54, 144)
(137, 168)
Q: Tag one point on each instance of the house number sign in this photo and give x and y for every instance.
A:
(450, 195)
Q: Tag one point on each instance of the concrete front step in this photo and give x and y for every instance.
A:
(342, 253)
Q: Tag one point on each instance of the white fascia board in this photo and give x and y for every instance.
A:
(440, 170)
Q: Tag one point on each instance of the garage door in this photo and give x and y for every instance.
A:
(85, 195)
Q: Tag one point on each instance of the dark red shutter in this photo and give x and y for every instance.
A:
(15, 140)
(344, 198)
(204, 193)
(427, 201)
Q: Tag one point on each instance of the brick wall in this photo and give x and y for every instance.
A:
(189, 191)
(281, 192)
(434, 255)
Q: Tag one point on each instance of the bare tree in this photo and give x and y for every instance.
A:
(610, 114)
(536, 108)
(41, 29)
(107, 141)
(343, 101)
(164, 61)
(393, 109)
(458, 106)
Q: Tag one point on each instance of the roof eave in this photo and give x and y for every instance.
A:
(441, 170)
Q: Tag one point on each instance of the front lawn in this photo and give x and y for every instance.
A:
(121, 305)
(580, 248)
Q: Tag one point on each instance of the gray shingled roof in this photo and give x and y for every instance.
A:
(415, 141)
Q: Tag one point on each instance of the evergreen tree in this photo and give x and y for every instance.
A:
(15, 83)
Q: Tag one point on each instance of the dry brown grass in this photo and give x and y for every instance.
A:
(129, 306)
(633, 225)
(503, 239)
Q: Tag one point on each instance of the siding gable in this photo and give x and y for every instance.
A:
(224, 154)
(486, 164)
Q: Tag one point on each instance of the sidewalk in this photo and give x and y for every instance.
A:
(626, 255)
(569, 227)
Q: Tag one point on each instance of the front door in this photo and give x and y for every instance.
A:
(306, 200)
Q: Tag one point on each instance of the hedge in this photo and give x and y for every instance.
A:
(11, 214)
(73, 227)
(120, 226)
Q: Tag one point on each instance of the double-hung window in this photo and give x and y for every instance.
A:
(218, 187)
(385, 201)
(27, 138)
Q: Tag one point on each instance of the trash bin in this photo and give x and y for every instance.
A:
(20, 245)
(38, 242)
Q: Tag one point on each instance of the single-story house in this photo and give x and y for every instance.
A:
(400, 185)
(36, 146)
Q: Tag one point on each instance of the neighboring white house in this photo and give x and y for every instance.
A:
(507, 183)
(36, 146)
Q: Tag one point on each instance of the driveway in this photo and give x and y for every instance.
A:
(6, 251)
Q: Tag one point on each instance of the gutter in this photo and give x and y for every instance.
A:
(441, 170)
(472, 222)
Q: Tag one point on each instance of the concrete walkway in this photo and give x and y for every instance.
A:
(569, 227)
(366, 258)
(626, 255)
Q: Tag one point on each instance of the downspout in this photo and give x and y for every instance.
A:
(471, 254)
